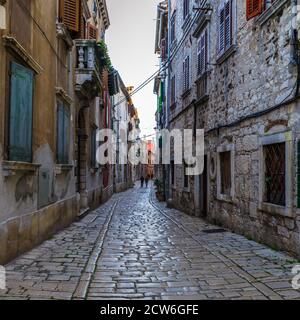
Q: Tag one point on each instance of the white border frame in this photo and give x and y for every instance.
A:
(220, 149)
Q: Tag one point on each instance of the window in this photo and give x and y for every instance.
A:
(202, 52)
(254, 8)
(186, 8)
(173, 89)
(225, 172)
(173, 28)
(225, 26)
(274, 157)
(20, 118)
(186, 74)
(69, 13)
(93, 147)
(92, 32)
(63, 133)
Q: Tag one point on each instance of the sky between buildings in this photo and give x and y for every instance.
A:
(130, 39)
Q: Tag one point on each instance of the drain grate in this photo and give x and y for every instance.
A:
(214, 230)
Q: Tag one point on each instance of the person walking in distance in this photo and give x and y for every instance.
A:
(142, 181)
(147, 181)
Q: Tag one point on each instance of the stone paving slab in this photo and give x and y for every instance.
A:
(133, 247)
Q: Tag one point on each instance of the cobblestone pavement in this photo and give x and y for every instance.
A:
(133, 247)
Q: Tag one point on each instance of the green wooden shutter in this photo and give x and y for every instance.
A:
(66, 135)
(60, 133)
(298, 173)
(20, 121)
(63, 133)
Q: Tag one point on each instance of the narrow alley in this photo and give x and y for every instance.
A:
(133, 247)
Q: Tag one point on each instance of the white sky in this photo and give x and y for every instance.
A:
(130, 39)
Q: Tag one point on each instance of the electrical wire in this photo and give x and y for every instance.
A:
(165, 64)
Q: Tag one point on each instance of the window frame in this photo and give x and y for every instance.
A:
(221, 149)
(268, 139)
(173, 28)
(186, 9)
(186, 74)
(203, 33)
(173, 89)
(233, 25)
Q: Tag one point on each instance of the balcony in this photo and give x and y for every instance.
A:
(89, 68)
(202, 88)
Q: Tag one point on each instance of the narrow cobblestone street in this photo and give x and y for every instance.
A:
(134, 248)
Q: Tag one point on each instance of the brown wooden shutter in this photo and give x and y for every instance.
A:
(254, 8)
(92, 32)
(70, 14)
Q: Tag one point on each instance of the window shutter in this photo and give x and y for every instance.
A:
(66, 135)
(60, 133)
(228, 24)
(202, 52)
(20, 124)
(254, 8)
(221, 31)
(70, 14)
(63, 133)
(92, 32)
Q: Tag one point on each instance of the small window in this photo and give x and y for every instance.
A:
(202, 52)
(186, 74)
(225, 172)
(173, 89)
(274, 158)
(254, 8)
(225, 26)
(63, 133)
(186, 8)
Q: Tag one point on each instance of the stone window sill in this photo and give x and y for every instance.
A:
(10, 168)
(270, 12)
(63, 168)
(225, 198)
(276, 209)
(229, 52)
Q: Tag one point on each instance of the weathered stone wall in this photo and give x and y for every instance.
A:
(255, 76)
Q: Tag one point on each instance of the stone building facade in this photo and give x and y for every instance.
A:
(235, 70)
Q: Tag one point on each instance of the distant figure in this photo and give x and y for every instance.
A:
(147, 181)
(142, 181)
